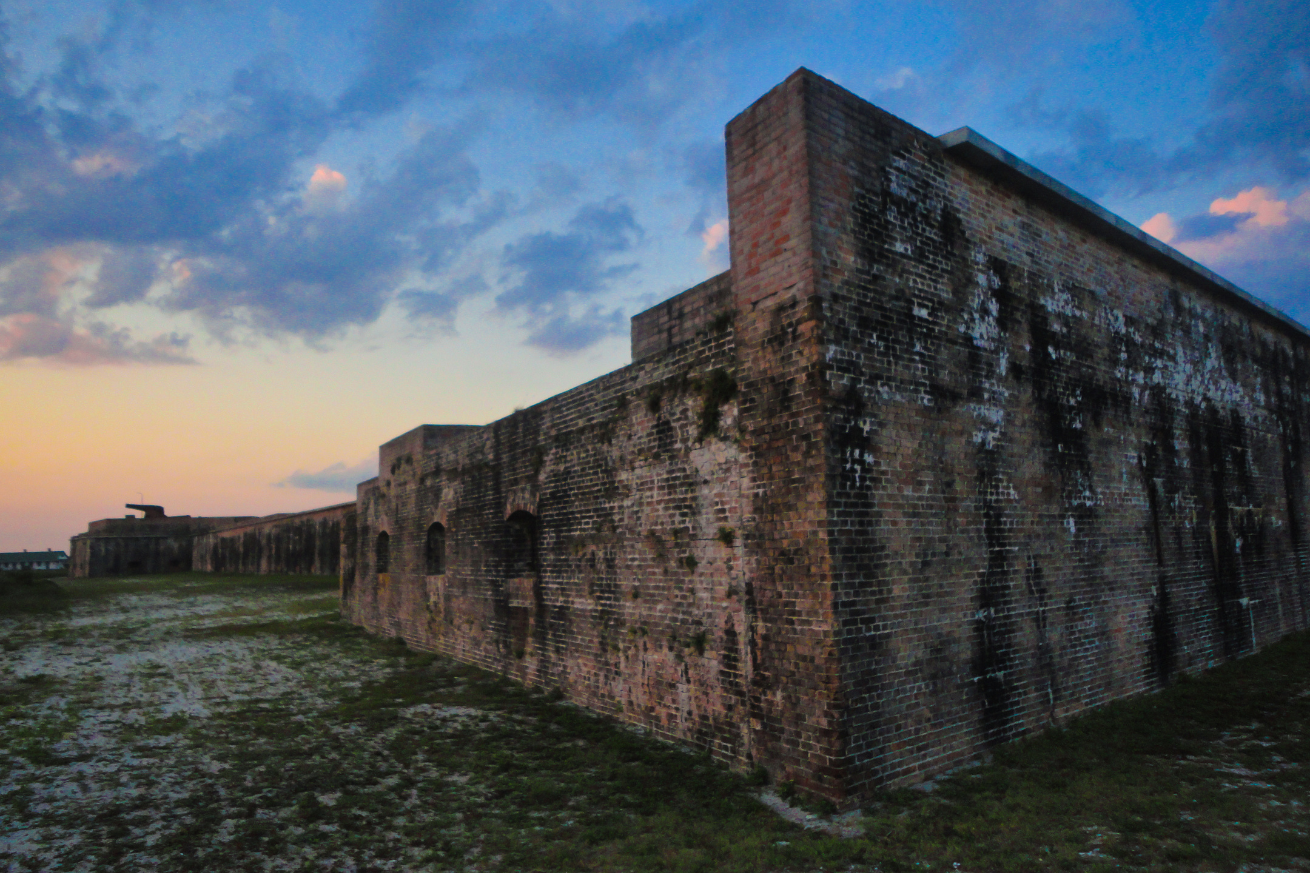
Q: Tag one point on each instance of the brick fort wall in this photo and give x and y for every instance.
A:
(300, 542)
(948, 455)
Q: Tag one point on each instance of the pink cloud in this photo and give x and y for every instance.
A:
(714, 236)
(99, 165)
(1269, 234)
(1161, 226)
(324, 189)
(1265, 248)
(1265, 210)
(326, 178)
(26, 335)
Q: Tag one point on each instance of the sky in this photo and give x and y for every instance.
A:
(244, 243)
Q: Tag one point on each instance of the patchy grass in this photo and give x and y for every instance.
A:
(29, 592)
(232, 723)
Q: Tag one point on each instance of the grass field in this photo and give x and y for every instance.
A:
(184, 723)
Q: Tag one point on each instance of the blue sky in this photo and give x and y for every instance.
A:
(252, 240)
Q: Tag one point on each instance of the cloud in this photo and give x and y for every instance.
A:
(277, 270)
(1027, 30)
(705, 169)
(172, 194)
(125, 276)
(559, 274)
(405, 38)
(897, 80)
(100, 164)
(436, 309)
(230, 215)
(336, 478)
(1261, 96)
(1260, 242)
(1257, 203)
(639, 73)
(630, 62)
(1258, 113)
(1207, 225)
(715, 253)
(34, 284)
(215, 222)
(1097, 161)
(705, 173)
(326, 179)
(323, 193)
(33, 336)
(556, 182)
(1161, 226)
(37, 322)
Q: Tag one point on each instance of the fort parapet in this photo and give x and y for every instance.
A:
(306, 543)
(301, 542)
(157, 543)
(949, 455)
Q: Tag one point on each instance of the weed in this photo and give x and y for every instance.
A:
(716, 389)
(698, 642)
(654, 399)
(727, 536)
(823, 806)
(721, 321)
(691, 563)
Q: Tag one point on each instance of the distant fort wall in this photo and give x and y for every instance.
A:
(299, 542)
(130, 545)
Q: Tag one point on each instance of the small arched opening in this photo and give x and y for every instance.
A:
(524, 532)
(383, 553)
(436, 549)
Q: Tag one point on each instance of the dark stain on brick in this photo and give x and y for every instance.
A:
(993, 624)
(1162, 645)
(1035, 582)
(1210, 464)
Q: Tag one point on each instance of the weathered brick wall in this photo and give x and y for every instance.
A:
(681, 317)
(794, 685)
(1057, 473)
(116, 546)
(638, 607)
(302, 542)
(115, 556)
(992, 460)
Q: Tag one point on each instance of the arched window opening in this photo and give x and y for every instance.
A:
(436, 549)
(384, 553)
(524, 532)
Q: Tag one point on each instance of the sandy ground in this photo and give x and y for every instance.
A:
(128, 704)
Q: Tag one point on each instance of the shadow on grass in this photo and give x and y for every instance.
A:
(25, 591)
(1206, 775)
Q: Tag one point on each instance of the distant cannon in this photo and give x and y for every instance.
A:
(150, 510)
